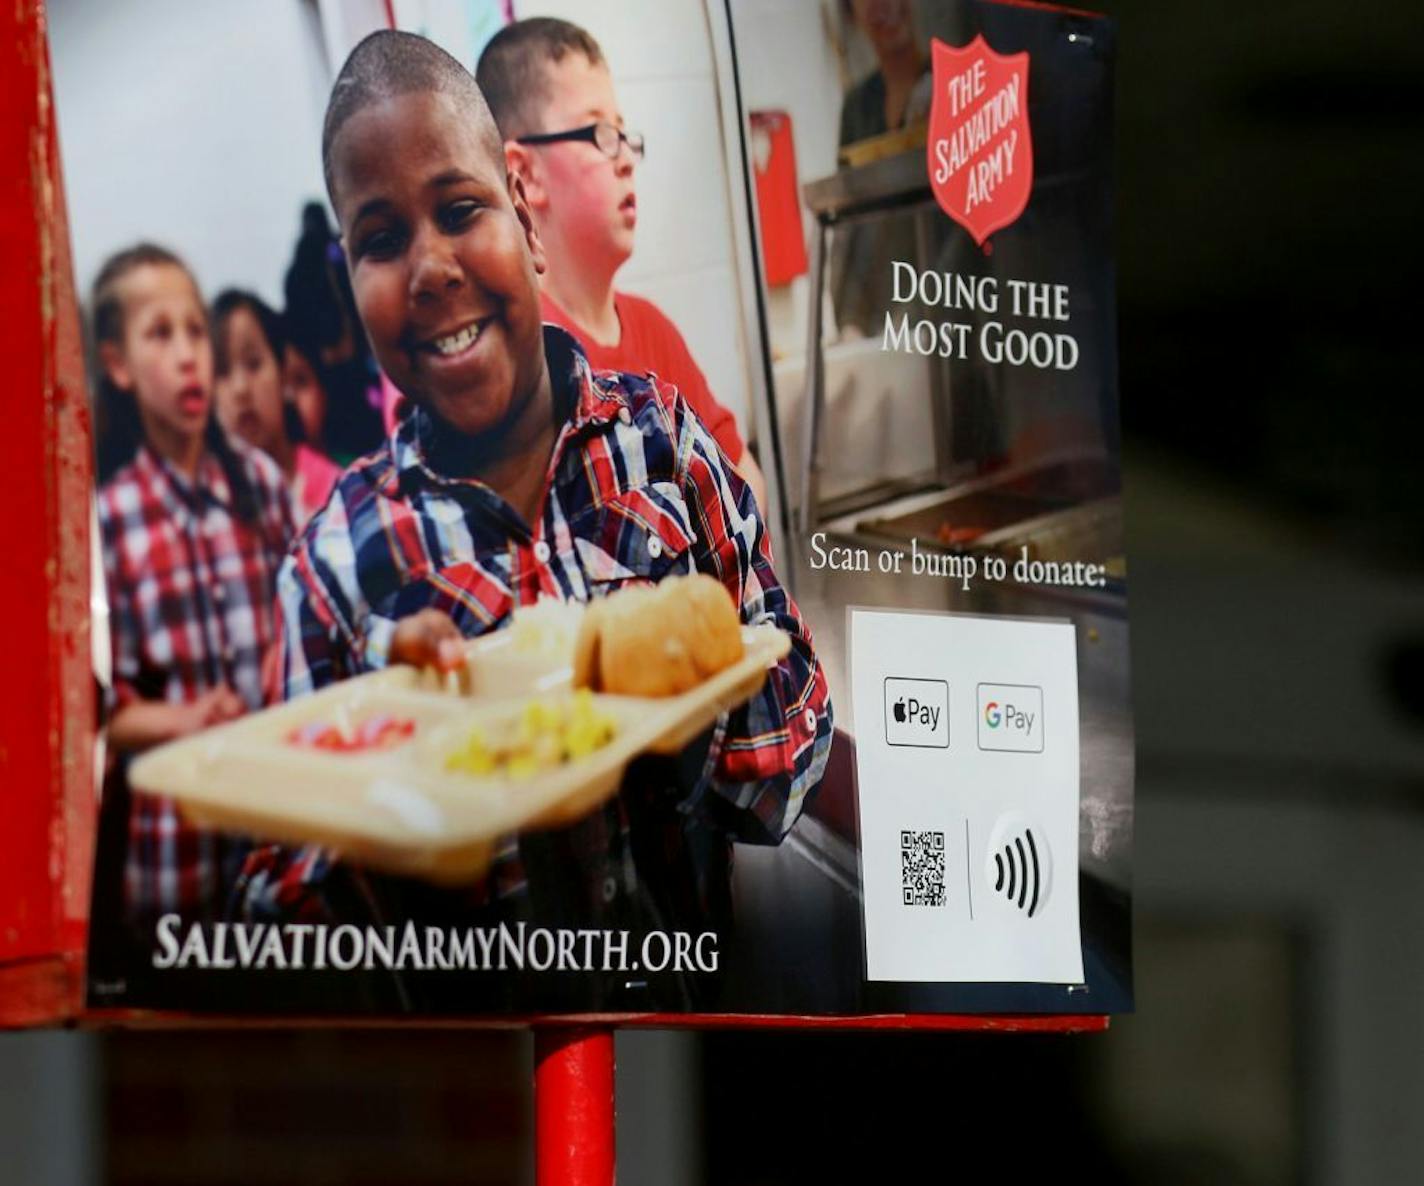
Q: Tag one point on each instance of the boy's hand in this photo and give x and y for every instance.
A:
(428, 639)
(222, 704)
(141, 724)
(213, 707)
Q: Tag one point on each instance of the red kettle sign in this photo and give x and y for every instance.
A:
(980, 148)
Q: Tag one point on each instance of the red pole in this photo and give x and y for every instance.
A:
(573, 1107)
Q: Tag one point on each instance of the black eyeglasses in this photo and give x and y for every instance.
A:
(605, 136)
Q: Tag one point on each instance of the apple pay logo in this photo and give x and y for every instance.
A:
(917, 712)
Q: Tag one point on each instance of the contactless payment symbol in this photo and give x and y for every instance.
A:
(917, 712)
(979, 145)
(1018, 866)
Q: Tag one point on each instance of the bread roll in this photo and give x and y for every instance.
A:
(658, 640)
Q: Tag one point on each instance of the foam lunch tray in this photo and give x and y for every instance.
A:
(399, 809)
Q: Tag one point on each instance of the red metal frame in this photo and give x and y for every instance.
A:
(47, 700)
(1017, 1023)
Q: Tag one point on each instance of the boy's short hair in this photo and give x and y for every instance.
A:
(511, 69)
(390, 63)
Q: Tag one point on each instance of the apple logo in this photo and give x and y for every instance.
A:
(898, 711)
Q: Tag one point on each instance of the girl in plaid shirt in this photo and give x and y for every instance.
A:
(193, 528)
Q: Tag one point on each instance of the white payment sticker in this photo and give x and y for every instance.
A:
(966, 748)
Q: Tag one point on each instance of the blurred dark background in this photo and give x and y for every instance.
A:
(1269, 195)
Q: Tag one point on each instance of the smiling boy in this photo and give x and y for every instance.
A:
(552, 96)
(521, 474)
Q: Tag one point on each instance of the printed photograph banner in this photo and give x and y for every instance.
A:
(602, 513)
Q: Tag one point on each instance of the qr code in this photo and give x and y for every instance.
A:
(922, 868)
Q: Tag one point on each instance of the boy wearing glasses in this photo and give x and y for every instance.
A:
(548, 86)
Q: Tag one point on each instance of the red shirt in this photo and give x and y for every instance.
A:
(312, 484)
(650, 342)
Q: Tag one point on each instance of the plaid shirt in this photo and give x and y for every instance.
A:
(637, 490)
(190, 589)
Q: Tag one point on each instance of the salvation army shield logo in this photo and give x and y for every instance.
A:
(980, 148)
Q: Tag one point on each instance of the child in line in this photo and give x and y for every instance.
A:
(193, 527)
(548, 86)
(250, 346)
(321, 317)
(305, 391)
(521, 473)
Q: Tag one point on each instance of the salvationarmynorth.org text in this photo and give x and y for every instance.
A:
(504, 948)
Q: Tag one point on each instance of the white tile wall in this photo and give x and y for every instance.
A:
(662, 39)
(682, 183)
(196, 125)
(771, 35)
(703, 305)
(786, 61)
(461, 29)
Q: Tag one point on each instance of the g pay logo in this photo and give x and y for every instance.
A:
(1011, 718)
(917, 712)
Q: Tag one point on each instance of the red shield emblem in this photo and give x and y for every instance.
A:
(980, 149)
